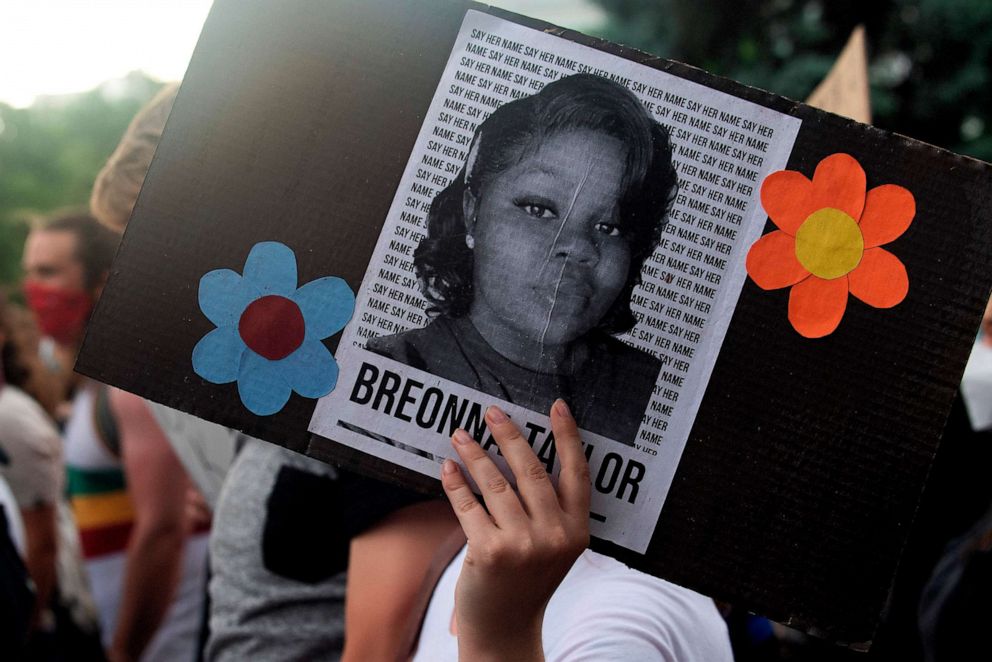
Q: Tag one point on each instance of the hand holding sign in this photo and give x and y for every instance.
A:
(519, 553)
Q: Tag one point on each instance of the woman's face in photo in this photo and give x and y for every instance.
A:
(550, 254)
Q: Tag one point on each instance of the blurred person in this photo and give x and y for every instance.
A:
(66, 261)
(279, 552)
(64, 617)
(33, 468)
(277, 581)
(17, 600)
(40, 381)
(116, 188)
(523, 586)
(128, 489)
(950, 549)
(956, 604)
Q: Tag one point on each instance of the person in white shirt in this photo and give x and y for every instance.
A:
(525, 586)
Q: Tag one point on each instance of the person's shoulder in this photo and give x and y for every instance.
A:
(609, 580)
(32, 449)
(23, 417)
(270, 458)
(611, 611)
(413, 347)
(14, 401)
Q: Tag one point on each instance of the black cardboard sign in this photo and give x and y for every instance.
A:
(801, 474)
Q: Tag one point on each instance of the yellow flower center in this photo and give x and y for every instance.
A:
(829, 243)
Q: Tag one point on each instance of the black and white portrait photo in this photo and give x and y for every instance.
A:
(533, 251)
(569, 224)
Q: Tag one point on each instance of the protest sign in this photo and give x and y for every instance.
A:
(411, 211)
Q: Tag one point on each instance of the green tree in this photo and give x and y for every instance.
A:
(930, 59)
(51, 152)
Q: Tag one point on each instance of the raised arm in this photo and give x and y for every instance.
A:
(518, 552)
(157, 484)
(386, 570)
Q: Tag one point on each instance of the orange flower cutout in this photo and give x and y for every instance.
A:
(828, 242)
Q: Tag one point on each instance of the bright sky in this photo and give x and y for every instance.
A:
(65, 46)
(62, 46)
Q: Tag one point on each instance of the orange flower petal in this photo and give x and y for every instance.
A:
(771, 261)
(889, 209)
(786, 196)
(880, 279)
(816, 306)
(839, 183)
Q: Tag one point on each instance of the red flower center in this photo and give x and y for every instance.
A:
(272, 327)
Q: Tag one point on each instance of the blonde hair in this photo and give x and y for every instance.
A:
(116, 187)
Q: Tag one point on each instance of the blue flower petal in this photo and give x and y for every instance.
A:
(262, 384)
(327, 305)
(311, 369)
(217, 357)
(271, 268)
(223, 296)
(221, 356)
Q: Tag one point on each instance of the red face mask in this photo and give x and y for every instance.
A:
(61, 313)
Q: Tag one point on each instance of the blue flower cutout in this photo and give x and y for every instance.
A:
(268, 335)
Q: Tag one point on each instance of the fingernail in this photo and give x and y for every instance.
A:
(562, 408)
(496, 415)
(449, 467)
(461, 437)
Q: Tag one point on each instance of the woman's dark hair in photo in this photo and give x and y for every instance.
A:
(583, 101)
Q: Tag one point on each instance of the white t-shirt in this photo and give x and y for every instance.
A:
(177, 637)
(33, 448)
(603, 610)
